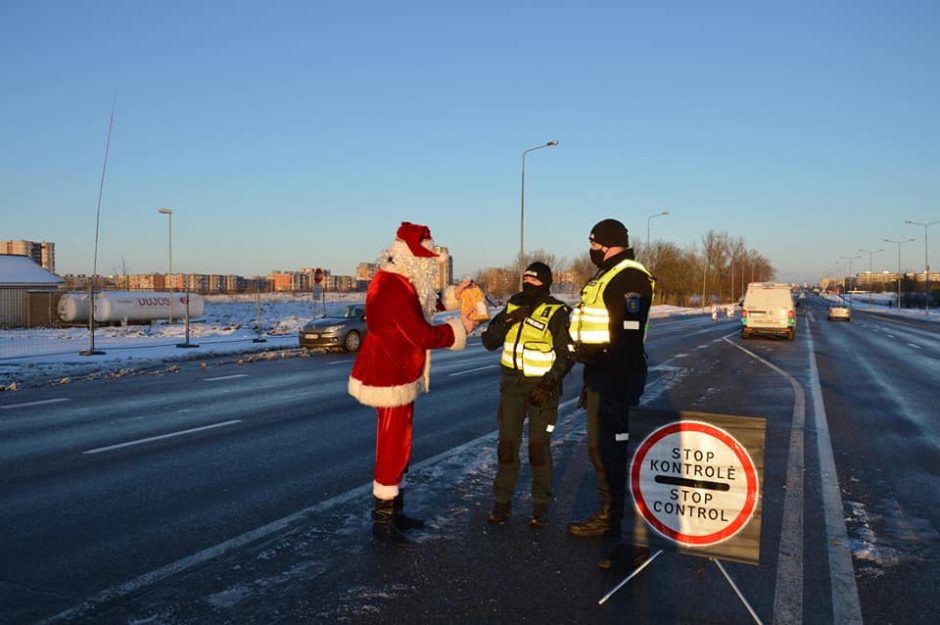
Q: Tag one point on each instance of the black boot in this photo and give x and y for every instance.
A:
(603, 523)
(539, 512)
(403, 521)
(383, 523)
(500, 514)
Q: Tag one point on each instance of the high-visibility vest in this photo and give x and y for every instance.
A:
(590, 322)
(528, 346)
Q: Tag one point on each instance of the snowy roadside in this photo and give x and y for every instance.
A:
(228, 327)
(36, 357)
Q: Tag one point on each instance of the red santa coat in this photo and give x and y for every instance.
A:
(391, 368)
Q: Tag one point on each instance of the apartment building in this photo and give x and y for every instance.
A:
(40, 252)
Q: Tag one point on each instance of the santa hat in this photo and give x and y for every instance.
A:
(413, 235)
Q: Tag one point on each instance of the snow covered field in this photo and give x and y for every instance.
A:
(229, 326)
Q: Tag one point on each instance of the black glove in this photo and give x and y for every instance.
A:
(517, 315)
(541, 393)
(585, 354)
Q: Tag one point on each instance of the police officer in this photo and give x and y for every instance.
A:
(532, 331)
(608, 328)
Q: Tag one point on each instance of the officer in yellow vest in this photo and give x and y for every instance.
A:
(608, 328)
(532, 332)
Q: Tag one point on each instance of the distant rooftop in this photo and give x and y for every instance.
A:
(21, 270)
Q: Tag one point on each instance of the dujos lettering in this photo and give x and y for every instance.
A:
(153, 301)
(686, 462)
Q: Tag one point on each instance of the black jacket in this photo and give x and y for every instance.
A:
(495, 334)
(618, 369)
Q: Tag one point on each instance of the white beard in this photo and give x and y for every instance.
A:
(420, 272)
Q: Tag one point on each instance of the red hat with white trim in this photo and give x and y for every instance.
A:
(414, 235)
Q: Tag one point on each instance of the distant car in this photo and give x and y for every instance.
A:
(839, 312)
(344, 331)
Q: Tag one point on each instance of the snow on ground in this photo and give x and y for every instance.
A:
(229, 326)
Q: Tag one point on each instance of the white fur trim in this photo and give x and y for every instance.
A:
(460, 333)
(383, 491)
(450, 299)
(419, 272)
(426, 374)
(384, 396)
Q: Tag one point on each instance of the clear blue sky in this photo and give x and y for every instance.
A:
(291, 134)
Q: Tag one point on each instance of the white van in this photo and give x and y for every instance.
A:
(768, 309)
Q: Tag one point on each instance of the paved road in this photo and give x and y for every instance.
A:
(239, 493)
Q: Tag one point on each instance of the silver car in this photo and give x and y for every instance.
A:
(336, 332)
(839, 312)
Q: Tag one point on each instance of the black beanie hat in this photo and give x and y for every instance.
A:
(610, 233)
(539, 271)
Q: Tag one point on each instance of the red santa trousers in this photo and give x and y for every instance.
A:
(392, 449)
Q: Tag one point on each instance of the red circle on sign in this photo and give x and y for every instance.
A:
(750, 472)
(318, 275)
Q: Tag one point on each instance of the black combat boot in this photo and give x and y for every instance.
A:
(500, 514)
(383, 523)
(403, 521)
(539, 512)
(602, 523)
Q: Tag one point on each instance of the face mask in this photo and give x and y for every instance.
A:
(597, 257)
(528, 287)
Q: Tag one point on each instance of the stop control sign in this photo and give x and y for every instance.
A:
(694, 483)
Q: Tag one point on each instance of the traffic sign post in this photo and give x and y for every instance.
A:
(318, 291)
(695, 479)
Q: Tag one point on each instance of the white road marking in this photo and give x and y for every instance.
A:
(226, 377)
(472, 370)
(118, 591)
(40, 402)
(788, 596)
(891, 336)
(162, 436)
(845, 603)
(680, 356)
(914, 346)
(338, 362)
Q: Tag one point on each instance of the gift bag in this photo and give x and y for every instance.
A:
(473, 303)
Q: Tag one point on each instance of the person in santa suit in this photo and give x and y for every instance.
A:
(393, 364)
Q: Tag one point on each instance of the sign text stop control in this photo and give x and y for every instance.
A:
(694, 483)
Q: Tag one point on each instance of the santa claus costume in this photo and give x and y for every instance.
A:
(393, 364)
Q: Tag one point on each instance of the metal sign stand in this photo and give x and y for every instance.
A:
(717, 562)
(258, 338)
(187, 344)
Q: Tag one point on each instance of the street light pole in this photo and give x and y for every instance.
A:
(899, 244)
(91, 351)
(549, 144)
(169, 213)
(849, 260)
(926, 263)
(648, 219)
(870, 280)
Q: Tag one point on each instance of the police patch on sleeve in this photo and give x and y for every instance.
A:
(633, 303)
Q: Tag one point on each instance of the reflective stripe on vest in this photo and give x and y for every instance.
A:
(528, 344)
(590, 322)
